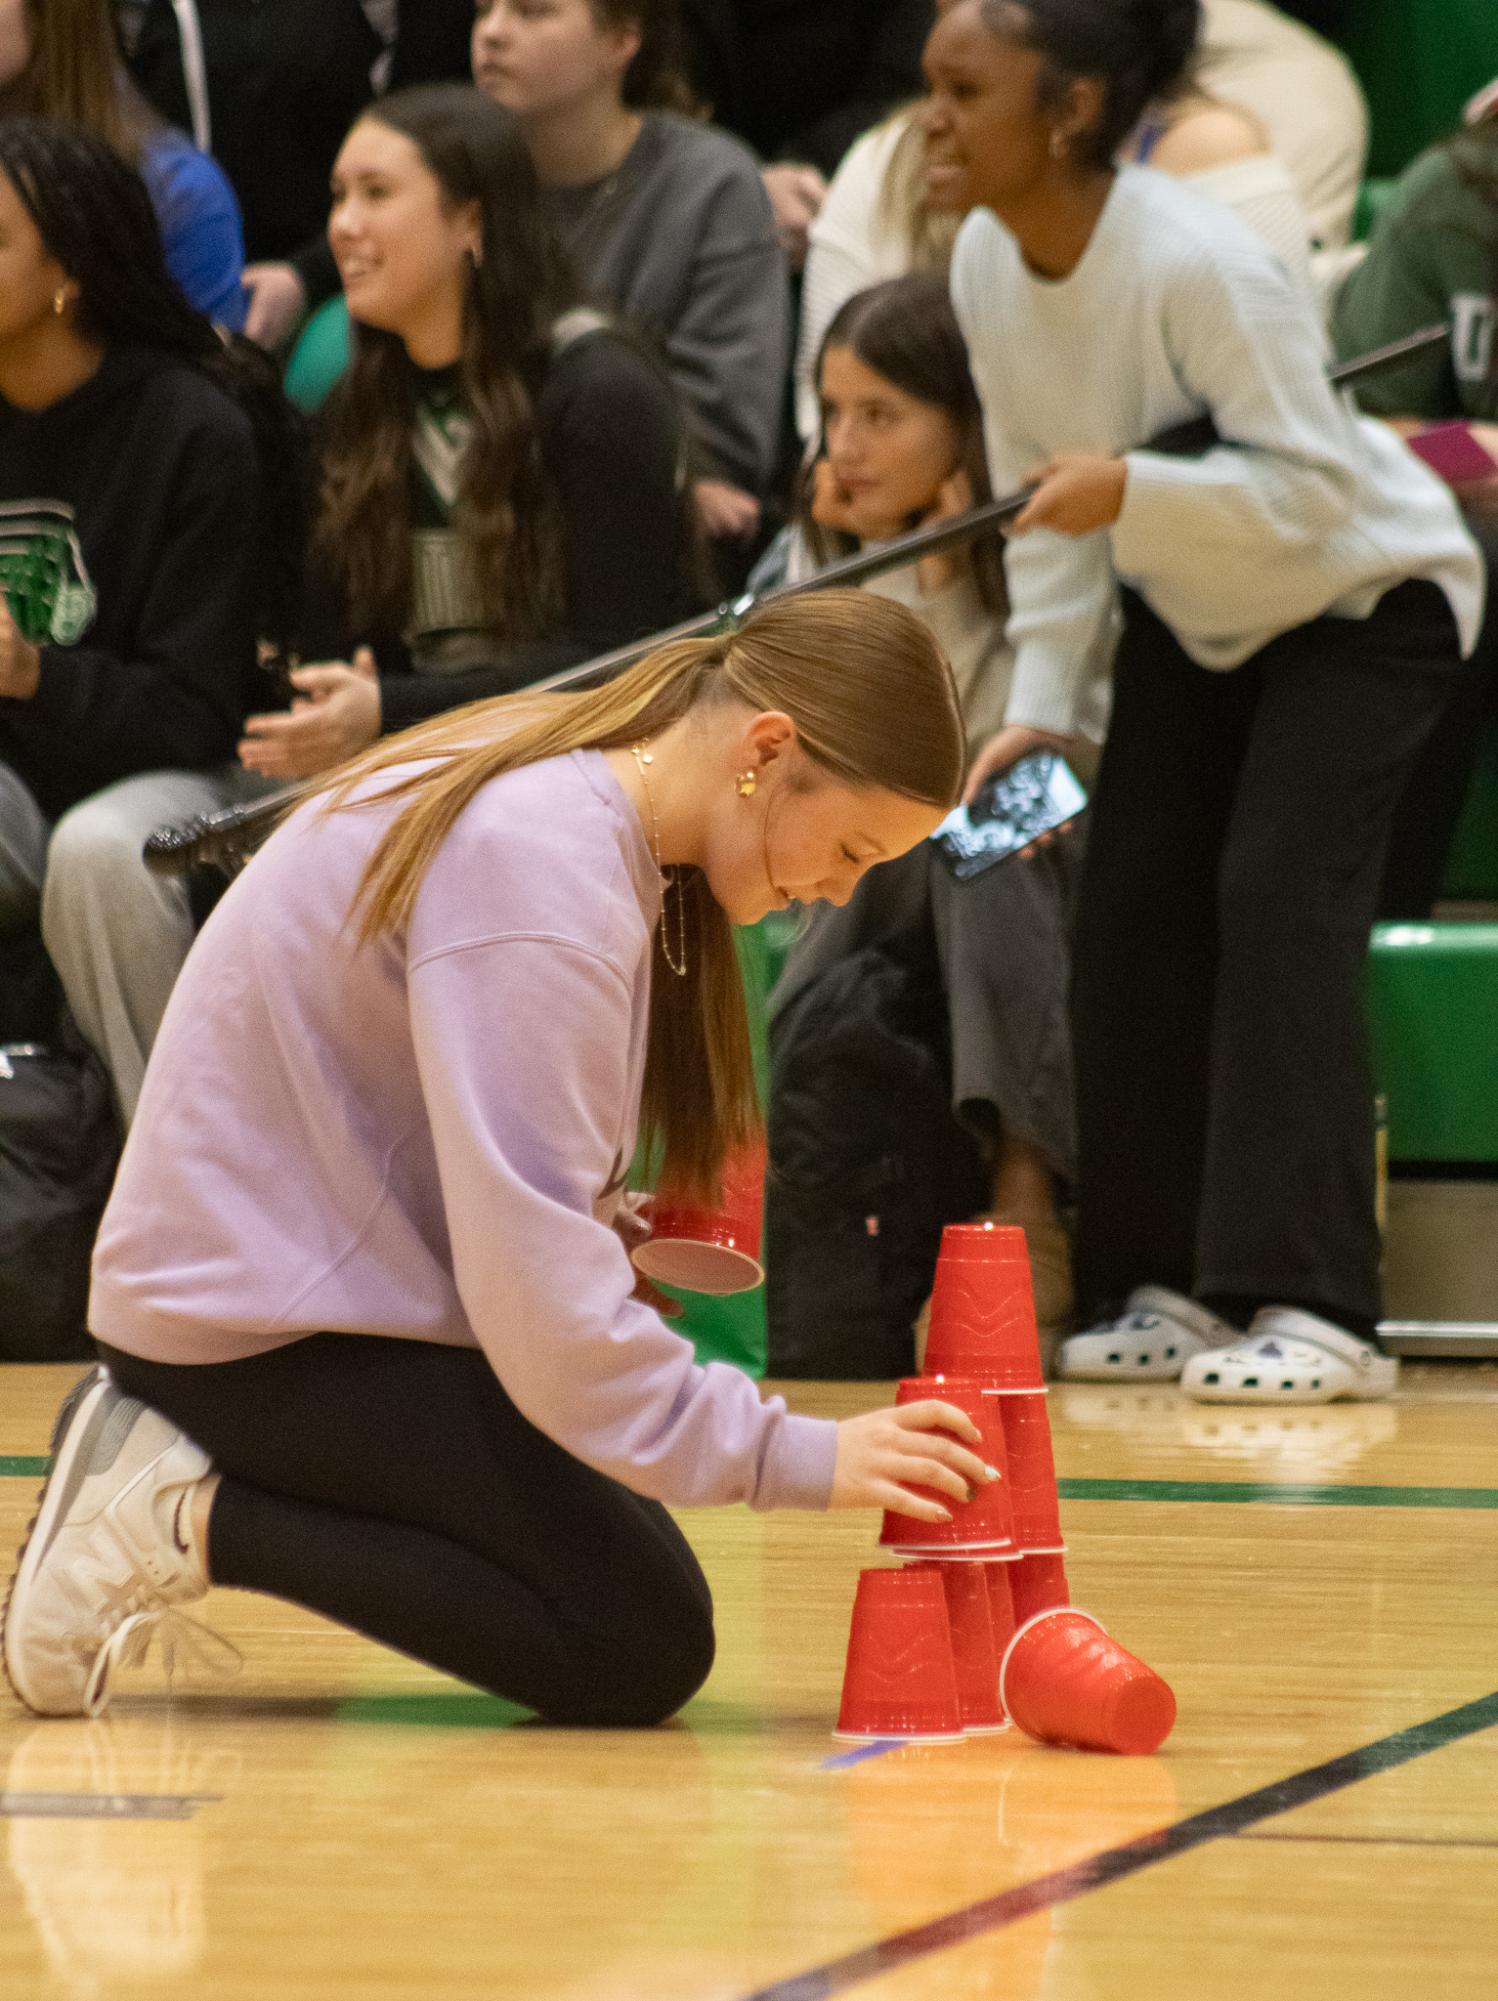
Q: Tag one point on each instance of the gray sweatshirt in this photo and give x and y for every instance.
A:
(426, 1137)
(680, 240)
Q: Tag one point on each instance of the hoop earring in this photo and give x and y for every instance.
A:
(746, 784)
(60, 301)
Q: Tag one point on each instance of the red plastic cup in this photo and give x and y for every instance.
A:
(999, 1578)
(692, 1249)
(900, 1680)
(983, 1310)
(1032, 1475)
(981, 1524)
(1038, 1584)
(1066, 1681)
(973, 1656)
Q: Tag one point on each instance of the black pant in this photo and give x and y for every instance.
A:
(393, 1486)
(1224, 1096)
(1426, 819)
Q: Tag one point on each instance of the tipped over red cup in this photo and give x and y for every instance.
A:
(696, 1249)
(1064, 1680)
(900, 1680)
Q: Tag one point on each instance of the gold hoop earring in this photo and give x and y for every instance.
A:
(60, 301)
(747, 783)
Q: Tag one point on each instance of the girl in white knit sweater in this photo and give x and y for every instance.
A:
(1224, 1098)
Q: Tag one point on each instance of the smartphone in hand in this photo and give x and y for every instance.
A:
(1034, 796)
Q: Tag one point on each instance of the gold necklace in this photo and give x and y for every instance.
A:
(642, 758)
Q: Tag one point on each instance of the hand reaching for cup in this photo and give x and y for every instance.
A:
(336, 714)
(881, 1455)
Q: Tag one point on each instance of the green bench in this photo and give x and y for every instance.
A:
(1433, 1005)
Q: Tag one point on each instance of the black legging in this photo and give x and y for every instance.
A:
(393, 1486)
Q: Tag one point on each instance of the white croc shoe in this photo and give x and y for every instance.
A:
(1288, 1356)
(1157, 1333)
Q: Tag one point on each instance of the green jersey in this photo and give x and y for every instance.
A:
(1434, 256)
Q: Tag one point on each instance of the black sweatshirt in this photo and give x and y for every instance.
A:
(612, 441)
(286, 79)
(800, 79)
(126, 554)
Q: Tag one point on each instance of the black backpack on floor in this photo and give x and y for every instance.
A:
(867, 1165)
(58, 1147)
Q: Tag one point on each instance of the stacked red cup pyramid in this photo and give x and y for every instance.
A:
(977, 1628)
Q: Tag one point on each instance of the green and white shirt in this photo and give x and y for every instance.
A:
(1434, 256)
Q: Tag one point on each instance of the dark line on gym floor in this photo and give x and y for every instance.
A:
(1096, 1872)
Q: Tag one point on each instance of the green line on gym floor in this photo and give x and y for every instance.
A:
(1280, 1493)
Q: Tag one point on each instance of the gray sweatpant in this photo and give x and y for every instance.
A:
(116, 933)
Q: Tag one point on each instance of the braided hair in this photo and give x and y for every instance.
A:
(1139, 50)
(95, 217)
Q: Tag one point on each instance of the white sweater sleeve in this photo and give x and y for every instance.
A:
(1288, 476)
(851, 247)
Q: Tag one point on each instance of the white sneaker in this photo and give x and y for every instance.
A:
(109, 1554)
(1289, 1356)
(1154, 1337)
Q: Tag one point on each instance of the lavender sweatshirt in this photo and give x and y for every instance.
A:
(427, 1137)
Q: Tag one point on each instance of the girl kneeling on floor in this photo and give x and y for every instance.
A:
(396, 1095)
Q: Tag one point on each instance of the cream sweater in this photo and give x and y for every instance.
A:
(1177, 309)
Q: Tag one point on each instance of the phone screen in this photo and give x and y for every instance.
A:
(1034, 797)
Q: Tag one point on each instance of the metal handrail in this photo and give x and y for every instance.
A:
(227, 839)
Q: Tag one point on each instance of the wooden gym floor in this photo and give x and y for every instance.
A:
(1320, 1586)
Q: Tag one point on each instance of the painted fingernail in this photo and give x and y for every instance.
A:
(944, 1515)
(992, 1472)
(972, 1493)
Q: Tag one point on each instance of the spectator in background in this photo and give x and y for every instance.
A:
(664, 218)
(272, 89)
(881, 217)
(1295, 611)
(129, 493)
(1434, 257)
(903, 447)
(501, 472)
(1305, 95)
(799, 80)
(62, 59)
